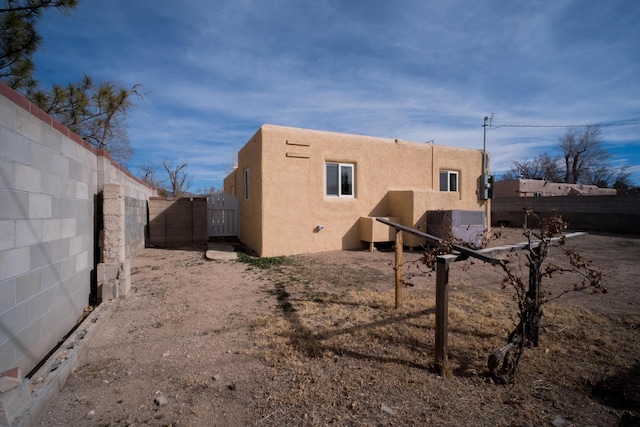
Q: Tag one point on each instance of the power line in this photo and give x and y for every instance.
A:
(561, 126)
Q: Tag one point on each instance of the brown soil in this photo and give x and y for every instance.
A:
(314, 340)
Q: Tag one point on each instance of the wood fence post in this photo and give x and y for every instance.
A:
(442, 312)
(398, 268)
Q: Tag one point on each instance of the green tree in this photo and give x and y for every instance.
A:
(19, 39)
(96, 113)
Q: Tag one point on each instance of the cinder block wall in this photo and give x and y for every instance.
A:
(49, 182)
(178, 221)
(595, 213)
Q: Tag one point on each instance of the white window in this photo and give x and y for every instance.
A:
(448, 181)
(246, 184)
(339, 179)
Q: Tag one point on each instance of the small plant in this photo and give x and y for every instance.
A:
(260, 262)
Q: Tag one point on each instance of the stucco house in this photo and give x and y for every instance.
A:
(305, 191)
(522, 187)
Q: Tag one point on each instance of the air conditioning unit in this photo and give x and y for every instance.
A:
(467, 226)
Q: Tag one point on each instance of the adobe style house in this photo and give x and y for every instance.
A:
(305, 191)
(522, 187)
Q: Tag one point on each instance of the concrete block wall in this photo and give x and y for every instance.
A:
(178, 221)
(49, 182)
(592, 213)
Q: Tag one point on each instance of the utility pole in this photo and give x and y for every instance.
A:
(485, 173)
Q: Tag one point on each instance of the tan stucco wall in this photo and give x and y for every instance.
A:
(392, 178)
(536, 187)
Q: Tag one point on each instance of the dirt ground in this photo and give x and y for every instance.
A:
(315, 340)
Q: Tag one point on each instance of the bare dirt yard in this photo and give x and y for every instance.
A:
(314, 340)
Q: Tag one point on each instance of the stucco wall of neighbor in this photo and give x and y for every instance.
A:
(392, 178)
(49, 182)
(593, 213)
(530, 187)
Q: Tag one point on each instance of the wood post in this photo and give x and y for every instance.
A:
(442, 312)
(398, 268)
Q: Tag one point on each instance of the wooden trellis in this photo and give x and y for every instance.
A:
(442, 278)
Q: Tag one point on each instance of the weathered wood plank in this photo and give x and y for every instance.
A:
(435, 240)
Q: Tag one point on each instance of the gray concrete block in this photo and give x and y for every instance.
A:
(108, 291)
(60, 165)
(39, 206)
(84, 260)
(67, 268)
(14, 404)
(7, 354)
(40, 255)
(60, 207)
(14, 146)
(14, 262)
(7, 295)
(75, 245)
(108, 272)
(13, 205)
(41, 157)
(28, 232)
(82, 190)
(28, 178)
(68, 228)
(28, 125)
(39, 305)
(7, 173)
(60, 250)
(31, 337)
(51, 229)
(28, 285)
(52, 184)
(52, 139)
(7, 234)
(50, 276)
(7, 114)
(13, 321)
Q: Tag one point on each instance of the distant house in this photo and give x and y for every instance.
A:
(305, 191)
(540, 188)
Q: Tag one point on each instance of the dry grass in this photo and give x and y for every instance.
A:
(338, 353)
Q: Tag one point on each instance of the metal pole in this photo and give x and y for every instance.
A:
(487, 225)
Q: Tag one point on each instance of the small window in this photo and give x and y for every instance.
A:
(246, 184)
(448, 181)
(339, 178)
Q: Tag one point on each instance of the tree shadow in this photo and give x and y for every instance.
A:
(621, 391)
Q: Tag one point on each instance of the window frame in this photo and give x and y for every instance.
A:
(450, 174)
(340, 195)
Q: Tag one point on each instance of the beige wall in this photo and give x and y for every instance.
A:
(537, 187)
(392, 178)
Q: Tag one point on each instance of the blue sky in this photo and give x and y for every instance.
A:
(214, 71)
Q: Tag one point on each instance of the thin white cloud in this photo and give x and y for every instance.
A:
(415, 70)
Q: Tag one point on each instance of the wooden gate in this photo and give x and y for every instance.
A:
(223, 215)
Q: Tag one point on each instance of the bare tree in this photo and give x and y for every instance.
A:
(582, 150)
(179, 180)
(582, 159)
(148, 174)
(208, 191)
(541, 167)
